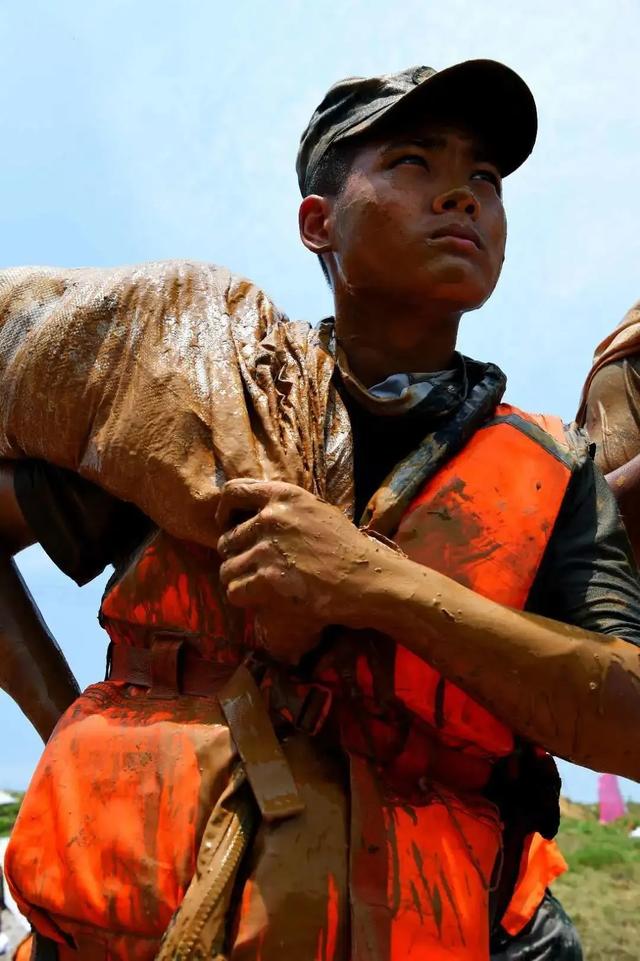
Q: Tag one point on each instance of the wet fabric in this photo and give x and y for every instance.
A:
(549, 936)
(159, 382)
(610, 402)
(622, 342)
(612, 412)
(586, 577)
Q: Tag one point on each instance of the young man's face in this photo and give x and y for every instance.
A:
(421, 217)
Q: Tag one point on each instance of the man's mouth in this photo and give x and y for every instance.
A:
(465, 234)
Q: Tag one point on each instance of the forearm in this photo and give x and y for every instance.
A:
(575, 693)
(33, 670)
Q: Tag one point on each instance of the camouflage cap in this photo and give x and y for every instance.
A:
(488, 96)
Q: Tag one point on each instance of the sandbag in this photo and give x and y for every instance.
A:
(159, 382)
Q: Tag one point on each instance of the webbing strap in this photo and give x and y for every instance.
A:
(266, 766)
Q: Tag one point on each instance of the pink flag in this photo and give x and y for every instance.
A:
(611, 804)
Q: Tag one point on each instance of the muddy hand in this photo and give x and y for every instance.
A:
(298, 561)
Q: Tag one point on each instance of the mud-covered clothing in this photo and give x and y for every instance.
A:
(171, 586)
(612, 412)
(610, 403)
(622, 344)
(371, 434)
(587, 577)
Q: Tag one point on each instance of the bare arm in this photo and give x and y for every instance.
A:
(33, 670)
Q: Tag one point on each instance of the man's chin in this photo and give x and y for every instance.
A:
(456, 299)
(459, 290)
(455, 288)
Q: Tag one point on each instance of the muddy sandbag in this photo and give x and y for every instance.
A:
(159, 382)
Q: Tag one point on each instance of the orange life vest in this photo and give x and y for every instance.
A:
(107, 837)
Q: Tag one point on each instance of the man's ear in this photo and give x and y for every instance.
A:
(314, 220)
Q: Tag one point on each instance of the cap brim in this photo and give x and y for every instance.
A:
(487, 96)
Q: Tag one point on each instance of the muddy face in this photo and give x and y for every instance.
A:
(420, 217)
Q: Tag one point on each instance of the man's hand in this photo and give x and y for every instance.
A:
(296, 560)
(303, 565)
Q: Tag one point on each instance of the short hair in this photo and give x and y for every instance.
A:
(330, 176)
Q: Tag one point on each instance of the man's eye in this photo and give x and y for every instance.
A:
(490, 177)
(411, 158)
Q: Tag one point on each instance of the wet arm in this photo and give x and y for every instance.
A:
(575, 692)
(33, 670)
(571, 689)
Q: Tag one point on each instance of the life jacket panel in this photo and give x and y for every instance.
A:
(489, 534)
(174, 586)
(106, 840)
(108, 832)
(488, 530)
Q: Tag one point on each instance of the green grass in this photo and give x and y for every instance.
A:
(8, 814)
(601, 890)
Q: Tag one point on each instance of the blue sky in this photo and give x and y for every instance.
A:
(137, 130)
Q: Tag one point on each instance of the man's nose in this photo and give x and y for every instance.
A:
(461, 200)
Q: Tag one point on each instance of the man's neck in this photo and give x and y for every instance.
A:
(380, 339)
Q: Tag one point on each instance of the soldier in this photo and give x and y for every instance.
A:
(415, 668)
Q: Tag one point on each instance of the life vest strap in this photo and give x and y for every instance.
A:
(168, 666)
(266, 766)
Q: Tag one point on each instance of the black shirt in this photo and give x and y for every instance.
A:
(587, 576)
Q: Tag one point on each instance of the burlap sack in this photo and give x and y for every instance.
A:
(161, 381)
